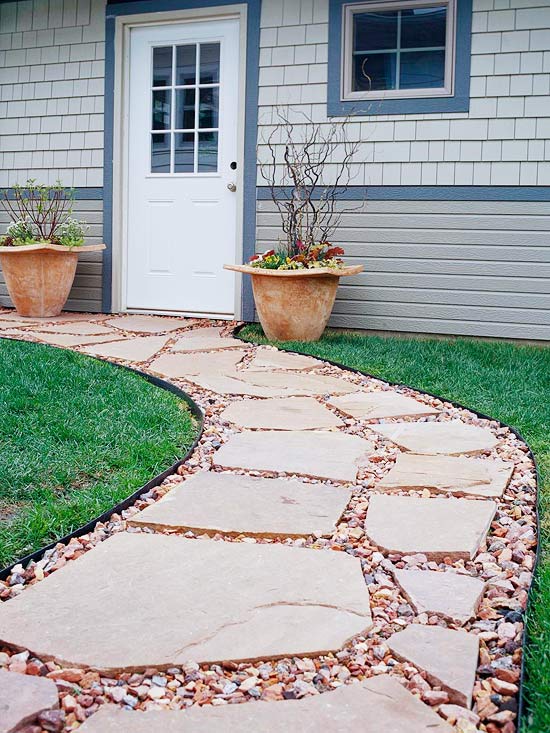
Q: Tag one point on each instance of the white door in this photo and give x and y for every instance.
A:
(181, 208)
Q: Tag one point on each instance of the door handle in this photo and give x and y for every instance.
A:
(232, 187)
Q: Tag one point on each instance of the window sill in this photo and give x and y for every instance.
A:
(410, 105)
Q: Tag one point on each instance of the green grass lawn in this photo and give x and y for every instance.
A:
(76, 437)
(508, 382)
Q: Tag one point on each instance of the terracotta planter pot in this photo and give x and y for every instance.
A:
(39, 277)
(295, 305)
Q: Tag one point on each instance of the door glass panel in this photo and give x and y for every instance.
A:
(185, 109)
(209, 106)
(186, 64)
(162, 66)
(160, 153)
(184, 154)
(208, 152)
(195, 92)
(210, 63)
(161, 109)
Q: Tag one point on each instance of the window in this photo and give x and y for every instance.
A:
(398, 49)
(399, 56)
(185, 108)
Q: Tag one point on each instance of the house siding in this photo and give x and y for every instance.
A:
(465, 267)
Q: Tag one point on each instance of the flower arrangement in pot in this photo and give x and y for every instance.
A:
(39, 251)
(295, 283)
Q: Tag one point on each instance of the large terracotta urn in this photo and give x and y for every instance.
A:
(39, 277)
(295, 305)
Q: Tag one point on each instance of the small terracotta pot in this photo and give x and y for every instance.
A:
(295, 305)
(39, 277)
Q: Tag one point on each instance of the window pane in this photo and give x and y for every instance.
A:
(422, 69)
(423, 27)
(373, 72)
(208, 107)
(160, 153)
(162, 66)
(374, 31)
(210, 63)
(161, 109)
(185, 109)
(208, 152)
(184, 154)
(186, 62)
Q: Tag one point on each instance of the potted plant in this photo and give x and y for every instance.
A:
(40, 250)
(295, 284)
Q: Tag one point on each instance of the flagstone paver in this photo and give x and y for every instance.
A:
(374, 405)
(372, 706)
(458, 475)
(79, 328)
(452, 595)
(453, 437)
(283, 413)
(233, 504)
(70, 339)
(269, 359)
(219, 601)
(271, 384)
(330, 455)
(190, 343)
(22, 698)
(209, 364)
(438, 528)
(449, 658)
(201, 331)
(135, 349)
(148, 324)
(230, 383)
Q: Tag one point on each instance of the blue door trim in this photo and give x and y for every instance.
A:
(133, 7)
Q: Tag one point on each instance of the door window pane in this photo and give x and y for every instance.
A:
(422, 70)
(423, 27)
(208, 152)
(162, 66)
(160, 153)
(185, 109)
(186, 64)
(375, 31)
(161, 117)
(184, 152)
(209, 106)
(210, 63)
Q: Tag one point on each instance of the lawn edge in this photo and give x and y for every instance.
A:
(526, 640)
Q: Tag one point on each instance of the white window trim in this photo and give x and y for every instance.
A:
(349, 10)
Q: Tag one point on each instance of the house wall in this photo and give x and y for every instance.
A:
(471, 267)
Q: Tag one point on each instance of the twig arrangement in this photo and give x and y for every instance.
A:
(44, 208)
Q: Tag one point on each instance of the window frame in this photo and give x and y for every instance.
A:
(349, 10)
(458, 100)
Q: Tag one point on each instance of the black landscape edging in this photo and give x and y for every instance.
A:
(515, 431)
(153, 483)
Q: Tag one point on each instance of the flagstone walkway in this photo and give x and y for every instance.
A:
(315, 552)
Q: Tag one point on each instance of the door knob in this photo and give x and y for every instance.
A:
(232, 187)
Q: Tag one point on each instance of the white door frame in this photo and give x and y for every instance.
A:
(124, 24)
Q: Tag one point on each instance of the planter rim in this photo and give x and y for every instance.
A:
(51, 247)
(313, 272)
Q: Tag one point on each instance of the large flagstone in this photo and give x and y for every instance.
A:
(284, 413)
(456, 474)
(271, 384)
(451, 595)
(330, 455)
(79, 328)
(452, 437)
(149, 324)
(216, 601)
(22, 698)
(375, 405)
(190, 342)
(449, 658)
(376, 705)
(230, 383)
(71, 339)
(137, 349)
(233, 504)
(438, 528)
(185, 365)
(269, 359)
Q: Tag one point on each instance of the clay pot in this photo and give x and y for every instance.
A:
(39, 277)
(295, 305)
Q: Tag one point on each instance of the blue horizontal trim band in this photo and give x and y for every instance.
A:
(80, 194)
(429, 193)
